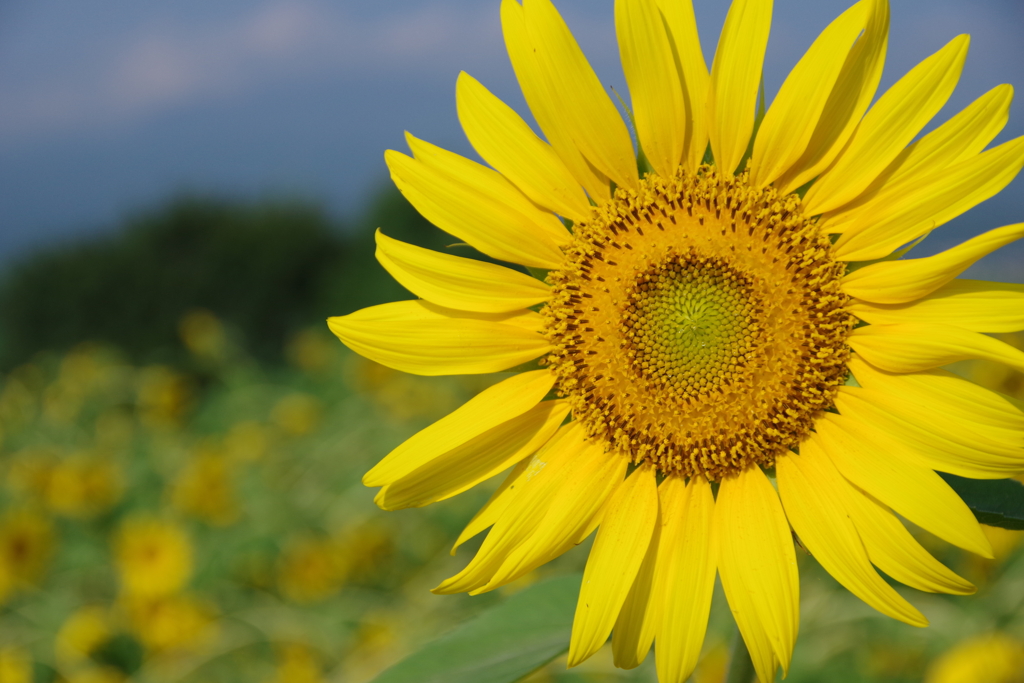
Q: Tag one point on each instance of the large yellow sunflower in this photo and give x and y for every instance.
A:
(725, 347)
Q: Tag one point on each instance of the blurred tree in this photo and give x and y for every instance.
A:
(266, 269)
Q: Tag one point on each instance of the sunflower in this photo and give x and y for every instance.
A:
(720, 344)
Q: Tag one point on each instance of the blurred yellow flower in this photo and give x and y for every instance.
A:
(28, 471)
(246, 441)
(15, 665)
(26, 544)
(84, 485)
(97, 674)
(204, 489)
(153, 556)
(176, 622)
(82, 633)
(297, 664)
(203, 334)
(991, 658)
(297, 414)
(311, 351)
(114, 429)
(163, 397)
(365, 547)
(311, 569)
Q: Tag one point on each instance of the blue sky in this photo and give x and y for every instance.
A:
(111, 106)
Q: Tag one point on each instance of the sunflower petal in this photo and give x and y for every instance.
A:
(849, 99)
(693, 72)
(485, 182)
(500, 224)
(913, 491)
(929, 201)
(897, 282)
(897, 553)
(546, 472)
(571, 510)
(456, 282)
(889, 126)
(971, 304)
(414, 337)
(614, 561)
(944, 393)
(659, 107)
(790, 121)
(595, 125)
(684, 576)
(912, 347)
(757, 563)
(962, 137)
(816, 498)
(634, 630)
(505, 141)
(492, 407)
(487, 515)
(476, 460)
(544, 104)
(735, 80)
(926, 445)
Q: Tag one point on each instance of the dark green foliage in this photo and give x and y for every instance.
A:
(996, 502)
(501, 645)
(266, 269)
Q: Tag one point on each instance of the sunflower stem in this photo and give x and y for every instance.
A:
(741, 668)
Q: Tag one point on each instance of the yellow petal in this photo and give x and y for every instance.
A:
(896, 552)
(456, 282)
(684, 576)
(890, 125)
(659, 107)
(476, 460)
(634, 630)
(694, 75)
(495, 505)
(506, 142)
(499, 224)
(790, 121)
(930, 200)
(913, 491)
(971, 304)
(897, 282)
(546, 473)
(757, 563)
(941, 449)
(735, 80)
(943, 392)
(614, 561)
(544, 105)
(595, 125)
(485, 182)
(492, 407)
(416, 337)
(911, 347)
(962, 137)
(849, 99)
(816, 498)
(570, 511)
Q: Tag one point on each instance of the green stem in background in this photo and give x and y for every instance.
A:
(741, 668)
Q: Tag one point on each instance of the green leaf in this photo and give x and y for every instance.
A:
(501, 645)
(996, 502)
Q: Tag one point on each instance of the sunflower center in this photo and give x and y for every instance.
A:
(689, 323)
(698, 324)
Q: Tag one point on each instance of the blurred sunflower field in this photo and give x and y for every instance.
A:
(180, 494)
